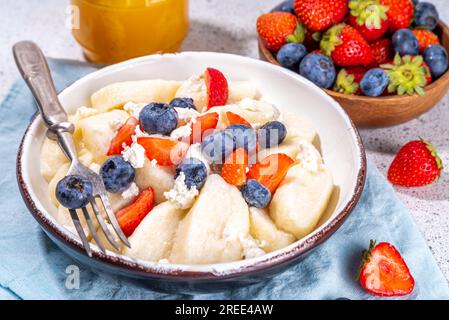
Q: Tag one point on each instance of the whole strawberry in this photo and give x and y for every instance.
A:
(346, 46)
(277, 28)
(416, 164)
(400, 13)
(381, 50)
(425, 38)
(369, 18)
(318, 15)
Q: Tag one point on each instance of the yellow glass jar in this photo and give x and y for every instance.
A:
(110, 31)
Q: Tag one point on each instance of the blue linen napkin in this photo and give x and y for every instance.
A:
(32, 267)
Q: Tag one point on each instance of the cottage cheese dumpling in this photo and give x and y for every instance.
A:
(153, 238)
(211, 231)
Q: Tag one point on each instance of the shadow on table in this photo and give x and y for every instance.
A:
(208, 37)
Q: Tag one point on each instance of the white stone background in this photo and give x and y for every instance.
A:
(229, 26)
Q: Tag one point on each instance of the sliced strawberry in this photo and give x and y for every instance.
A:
(234, 118)
(202, 126)
(123, 136)
(234, 168)
(383, 272)
(165, 151)
(271, 170)
(130, 217)
(217, 88)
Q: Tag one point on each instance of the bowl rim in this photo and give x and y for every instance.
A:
(188, 272)
(269, 56)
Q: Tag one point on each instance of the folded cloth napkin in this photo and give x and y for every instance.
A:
(32, 267)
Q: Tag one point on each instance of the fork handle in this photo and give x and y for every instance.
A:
(35, 71)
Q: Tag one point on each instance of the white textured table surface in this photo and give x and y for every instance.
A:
(229, 26)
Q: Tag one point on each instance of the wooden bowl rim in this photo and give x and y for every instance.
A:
(445, 77)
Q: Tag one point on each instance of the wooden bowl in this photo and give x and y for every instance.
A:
(369, 112)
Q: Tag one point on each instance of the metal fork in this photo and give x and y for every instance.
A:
(34, 69)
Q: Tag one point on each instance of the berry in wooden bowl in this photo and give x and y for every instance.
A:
(405, 44)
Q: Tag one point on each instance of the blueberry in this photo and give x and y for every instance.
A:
(243, 136)
(426, 16)
(374, 82)
(272, 134)
(186, 103)
(405, 42)
(319, 69)
(286, 6)
(74, 191)
(117, 174)
(158, 118)
(255, 194)
(216, 147)
(291, 55)
(195, 172)
(437, 60)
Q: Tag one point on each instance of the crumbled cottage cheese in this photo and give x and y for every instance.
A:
(268, 110)
(181, 132)
(180, 195)
(95, 167)
(153, 163)
(134, 154)
(308, 157)
(134, 108)
(131, 192)
(194, 151)
(251, 247)
(187, 114)
(195, 88)
(163, 261)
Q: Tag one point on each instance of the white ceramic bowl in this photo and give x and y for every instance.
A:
(340, 144)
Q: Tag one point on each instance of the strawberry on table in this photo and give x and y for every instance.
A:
(400, 13)
(123, 136)
(165, 151)
(346, 46)
(416, 164)
(234, 168)
(217, 88)
(318, 15)
(130, 217)
(202, 125)
(271, 170)
(383, 271)
(369, 18)
(425, 38)
(234, 118)
(277, 28)
(381, 50)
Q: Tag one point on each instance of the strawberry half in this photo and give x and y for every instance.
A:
(400, 13)
(318, 15)
(425, 38)
(416, 164)
(369, 18)
(234, 118)
(123, 136)
(165, 151)
(346, 46)
(277, 28)
(383, 271)
(203, 124)
(217, 88)
(130, 217)
(271, 170)
(234, 168)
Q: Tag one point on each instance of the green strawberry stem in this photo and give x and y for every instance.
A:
(345, 83)
(298, 35)
(368, 12)
(407, 75)
(331, 39)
